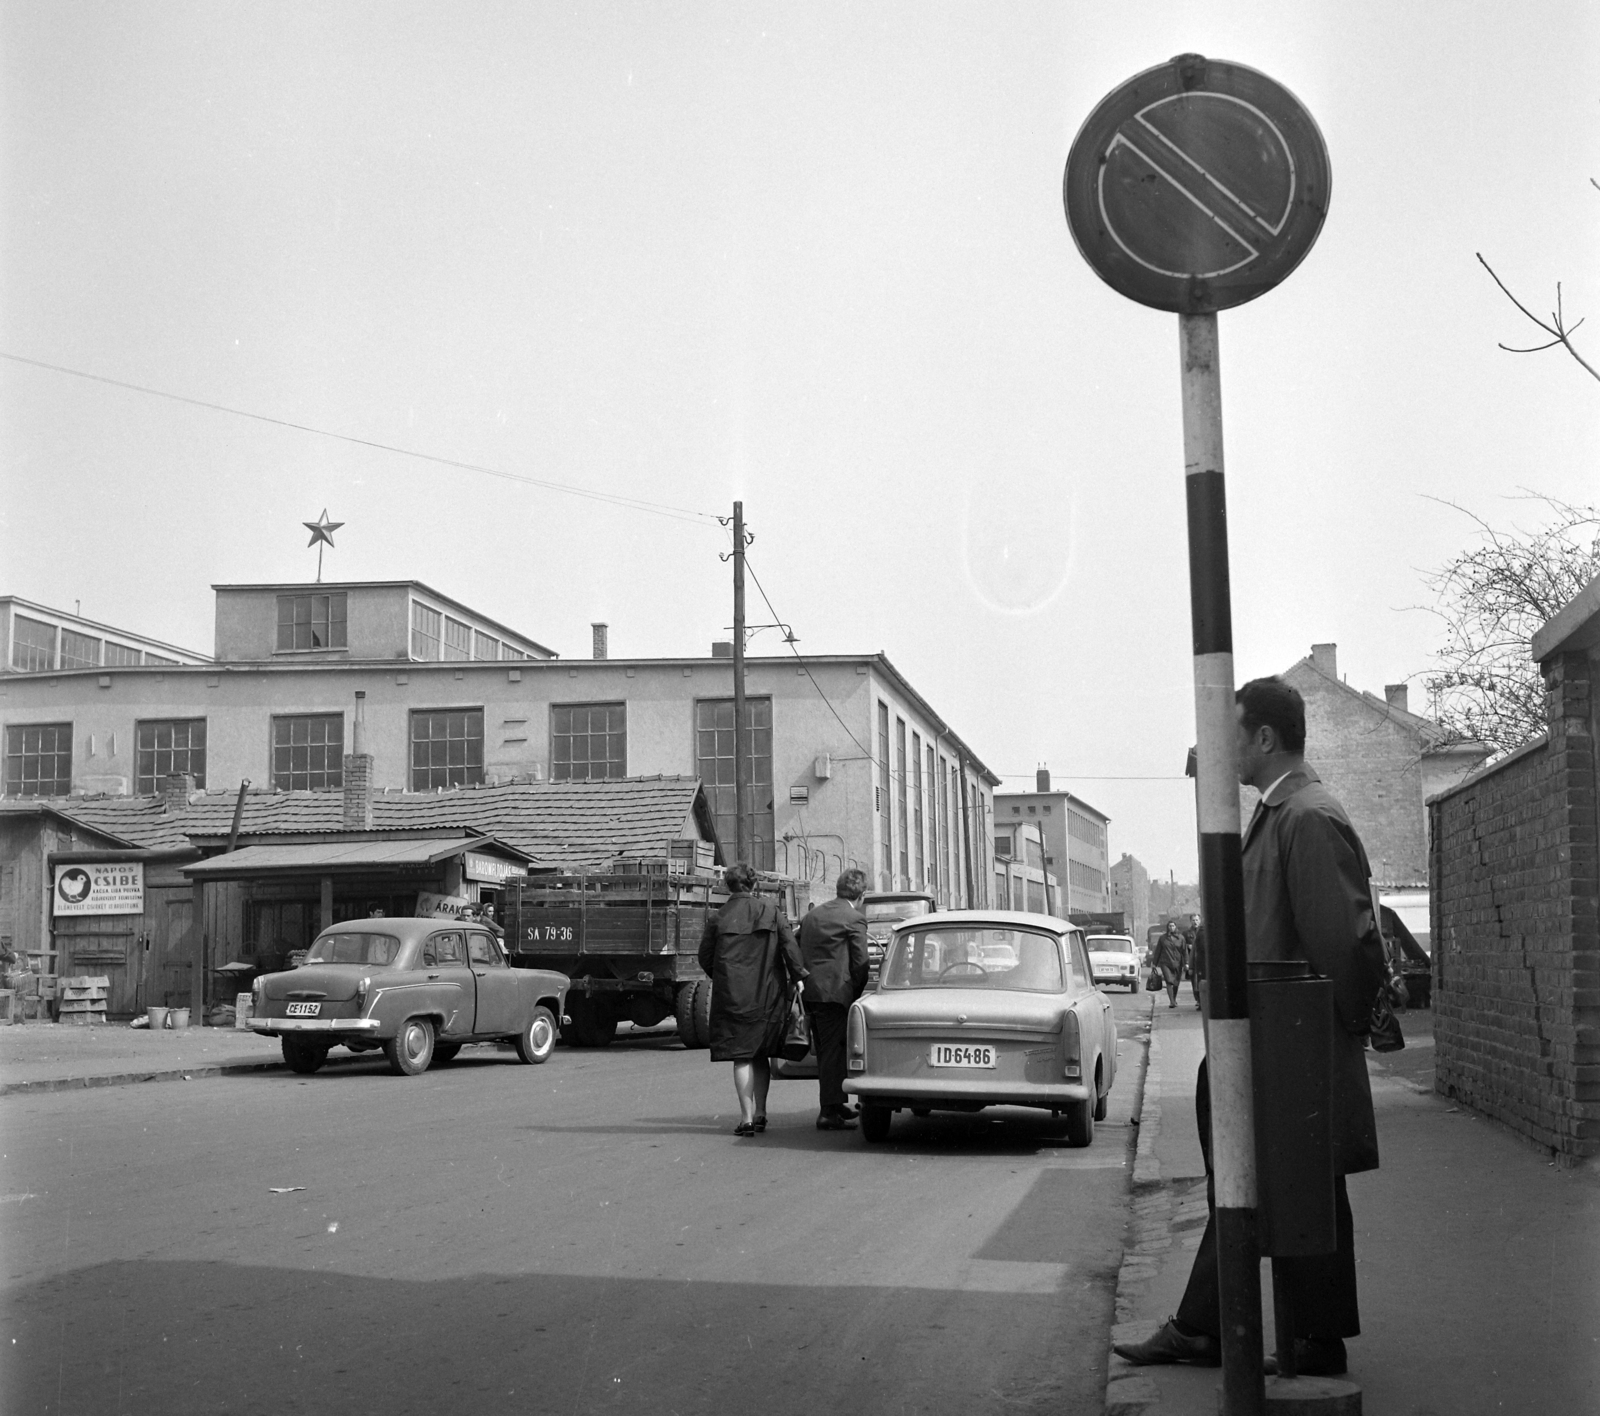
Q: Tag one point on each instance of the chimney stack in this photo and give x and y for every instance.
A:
(600, 650)
(1041, 779)
(1397, 695)
(722, 648)
(176, 788)
(358, 773)
(1325, 659)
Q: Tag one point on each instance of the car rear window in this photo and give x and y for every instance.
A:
(998, 958)
(881, 911)
(354, 949)
(1109, 944)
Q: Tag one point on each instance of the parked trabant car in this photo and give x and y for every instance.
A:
(983, 1008)
(418, 988)
(1115, 960)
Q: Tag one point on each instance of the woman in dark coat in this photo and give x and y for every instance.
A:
(749, 953)
(1169, 961)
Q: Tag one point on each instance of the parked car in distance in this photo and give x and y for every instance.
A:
(420, 989)
(884, 909)
(1114, 959)
(983, 1008)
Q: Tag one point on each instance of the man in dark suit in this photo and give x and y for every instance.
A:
(1307, 896)
(833, 943)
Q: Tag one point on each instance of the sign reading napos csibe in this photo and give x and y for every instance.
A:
(99, 888)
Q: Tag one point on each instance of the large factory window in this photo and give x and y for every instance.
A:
(311, 622)
(588, 741)
(39, 759)
(714, 758)
(167, 745)
(446, 748)
(308, 752)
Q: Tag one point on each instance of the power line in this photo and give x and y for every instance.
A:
(676, 513)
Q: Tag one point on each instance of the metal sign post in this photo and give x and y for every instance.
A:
(1195, 186)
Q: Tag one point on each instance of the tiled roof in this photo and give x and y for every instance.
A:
(557, 823)
(140, 822)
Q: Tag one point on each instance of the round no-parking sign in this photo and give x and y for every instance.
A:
(1197, 185)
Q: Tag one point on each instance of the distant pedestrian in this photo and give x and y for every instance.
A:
(1197, 962)
(748, 952)
(1307, 897)
(833, 944)
(486, 917)
(1169, 960)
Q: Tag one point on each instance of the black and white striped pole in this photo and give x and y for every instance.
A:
(1233, 1156)
(1193, 187)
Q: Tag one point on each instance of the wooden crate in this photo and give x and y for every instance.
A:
(10, 1011)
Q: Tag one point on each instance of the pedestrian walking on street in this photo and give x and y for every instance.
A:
(1197, 962)
(833, 945)
(1306, 897)
(1168, 961)
(748, 952)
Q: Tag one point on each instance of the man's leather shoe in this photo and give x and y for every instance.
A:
(1313, 1358)
(1167, 1344)
(833, 1121)
(848, 1110)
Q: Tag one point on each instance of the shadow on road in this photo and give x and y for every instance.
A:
(210, 1337)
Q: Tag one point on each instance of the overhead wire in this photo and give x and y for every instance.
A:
(620, 499)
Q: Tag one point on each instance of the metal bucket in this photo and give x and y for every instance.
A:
(158, 1018)
(178, 1018)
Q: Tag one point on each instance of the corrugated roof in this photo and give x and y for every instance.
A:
(140, 822)
(557, 823)
(339, 855)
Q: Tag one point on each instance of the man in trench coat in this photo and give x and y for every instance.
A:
(1307, 896)
(833, 943)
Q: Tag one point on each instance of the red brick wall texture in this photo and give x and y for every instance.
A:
(1516, 924)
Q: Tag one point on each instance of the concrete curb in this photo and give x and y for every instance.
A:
(1129, 1391)
(167, 1074)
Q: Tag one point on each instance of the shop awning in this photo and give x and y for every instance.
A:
(346, 857)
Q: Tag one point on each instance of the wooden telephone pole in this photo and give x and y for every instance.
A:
(741, 733)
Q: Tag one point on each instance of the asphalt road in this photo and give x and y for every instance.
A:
(579, 1237)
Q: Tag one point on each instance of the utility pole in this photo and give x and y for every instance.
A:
(741, 743)
(1044, 866)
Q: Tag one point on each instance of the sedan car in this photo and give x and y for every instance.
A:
(418, 988)
(983, 1008)
(1114, 959)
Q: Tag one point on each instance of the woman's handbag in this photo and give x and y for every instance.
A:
(797, 1032)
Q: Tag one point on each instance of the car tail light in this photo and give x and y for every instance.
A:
(257, 993)
(1069, 1036)
(361, 991)
(856, 1039)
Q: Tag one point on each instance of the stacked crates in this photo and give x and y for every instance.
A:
(83, 998)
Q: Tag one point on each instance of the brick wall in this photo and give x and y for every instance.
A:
(1513, 881)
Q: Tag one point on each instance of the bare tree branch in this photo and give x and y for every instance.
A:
(1557, 329)
(1491, 599)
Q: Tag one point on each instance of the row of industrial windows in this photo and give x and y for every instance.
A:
(925, 817)
(1009, 846)
(1091, 833)
(1016, 893)
(588, 741)
(436, 636)
(1085, 877)
(37, 647)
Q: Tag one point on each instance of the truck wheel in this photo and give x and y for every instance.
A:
(593, 1023)
(683, 1011)
(538, 1040)
(445, 1051)
(702, 1013)
(875, 1123)
(411, 1049)
(302, 1055)
(1079, 1116)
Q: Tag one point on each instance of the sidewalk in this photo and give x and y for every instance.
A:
(59, 1056)
(1478, 1258)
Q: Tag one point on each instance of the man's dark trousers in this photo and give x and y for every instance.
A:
(827, 1038)
(1323, 1285)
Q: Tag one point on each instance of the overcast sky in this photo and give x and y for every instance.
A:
(810, 256)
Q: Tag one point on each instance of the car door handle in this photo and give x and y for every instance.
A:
(433, 975)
